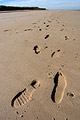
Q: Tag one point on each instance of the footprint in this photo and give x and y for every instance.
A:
(66, 119)
(59, 88)
(44, 23)
(47, 36)
(49, 21)
(74, 39)
(45, 47)
(40, 29)
(34, 23)
(27, 29)
(53, 119)
(47, 25)
(21, 116)
(6, 30)
(56, 53)
(24, 96)
(66, 38)
(71, 94)
(37, 49)
(61, 29)
(62, 66)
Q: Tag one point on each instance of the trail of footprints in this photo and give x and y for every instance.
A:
(60, 82)
(24, 96)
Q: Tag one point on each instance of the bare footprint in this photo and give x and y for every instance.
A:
(56, 53)
(37, 49)
(67, 38)
(24, 96)
(59, 88)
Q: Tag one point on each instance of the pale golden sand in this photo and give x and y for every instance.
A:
(35, 45)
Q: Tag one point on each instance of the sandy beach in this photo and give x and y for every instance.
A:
(40, 65)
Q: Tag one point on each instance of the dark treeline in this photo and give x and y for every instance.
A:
(9, 8)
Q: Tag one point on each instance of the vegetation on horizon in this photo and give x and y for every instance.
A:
(9, 8)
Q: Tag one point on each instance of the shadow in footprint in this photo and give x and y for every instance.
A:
(54, 89)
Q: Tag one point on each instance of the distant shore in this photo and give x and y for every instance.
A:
(14, 8)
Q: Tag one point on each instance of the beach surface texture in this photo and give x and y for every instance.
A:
(40, 65)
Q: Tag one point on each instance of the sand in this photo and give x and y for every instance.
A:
(35, 46)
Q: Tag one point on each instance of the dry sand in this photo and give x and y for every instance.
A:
(35, 45)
